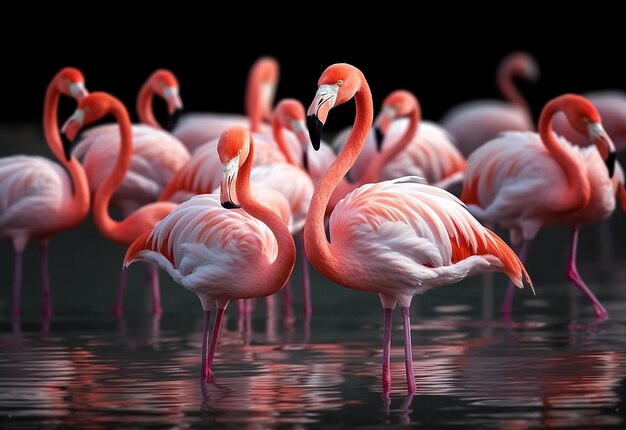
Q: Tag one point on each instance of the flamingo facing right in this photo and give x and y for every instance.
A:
(396, 238)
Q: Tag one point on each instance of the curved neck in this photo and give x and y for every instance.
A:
(372, 174)
(107, 225)
(280, 270)
(509, 90)
(78, 205)
(254, 108)
(144, 106)
(279, 137)
(317, 247)
(579, 191)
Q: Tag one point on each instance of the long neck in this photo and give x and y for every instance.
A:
(254, 108)
(107, 225)
(280, 270)
(372, 174)
(279, 137)
(144, 106)
(317, 247)
(78, 205)
(509, 90)
(578, 192)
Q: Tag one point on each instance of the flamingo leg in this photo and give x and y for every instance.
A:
(287, 297)
(45, 278)
(507, 304)
(205, 343)
(156, 292)
(117, 309)
(17, 283)
(308, 309)
(575, 278)
(216, 332)
(408, 350)
(387, 352)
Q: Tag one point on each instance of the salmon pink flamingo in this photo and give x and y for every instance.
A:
(396, 238)
(38, 198)
(156, 157)
(476, 122)
(90, 109)
(220, 252)
(525, 181)
(195, 129)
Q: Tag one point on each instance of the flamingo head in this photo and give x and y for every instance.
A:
(338, 84)
(521, 64)
(90, 109)
(233, 148)
(398, 104)
(163, 83)
(290, 114)
(585, 119)
(71, 82)
(263, 77)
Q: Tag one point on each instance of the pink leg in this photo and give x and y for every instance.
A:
(574, 277)
(241, 307)
(17, 283)
(408, 351)
(117, 309)
(308, 309)
(387, 352)
(47, 301)
(156, 293)
(507, 304)
(216, 333)
(205, 343)
(287, 297)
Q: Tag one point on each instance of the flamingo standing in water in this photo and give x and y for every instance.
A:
(218, 251)
(396, 238)
(38, 198)
(90, 109)
(196, 129)
(525, 181)
(476, 122)
(156, 157)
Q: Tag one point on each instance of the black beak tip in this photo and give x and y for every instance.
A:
(610, 163)
(172, 120)
(379, 135)
(230, 205)
(305, 161)
(67, 146)
(315, 130)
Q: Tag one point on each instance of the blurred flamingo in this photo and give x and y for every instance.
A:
(156, 157)
(397, 238)
(37, 197)
(525, 181)
(196, 129)
(476, 122)
(218, 251)
(90, 109)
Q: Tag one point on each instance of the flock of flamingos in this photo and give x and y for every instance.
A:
(224, 203)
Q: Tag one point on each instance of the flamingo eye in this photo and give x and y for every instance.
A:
(340, 82)
(239, 152)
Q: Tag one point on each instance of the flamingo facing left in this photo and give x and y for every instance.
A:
(396, 238)
(90, 109)
(37, 198)
(220, 252)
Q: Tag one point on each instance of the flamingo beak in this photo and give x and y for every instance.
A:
(605, 145)
(174, 106)
(78, 91)
(305, 160)
(381, 125)
(228, 192)
(70, 130)
(318, 112)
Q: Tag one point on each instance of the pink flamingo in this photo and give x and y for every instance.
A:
(525, 181)
(474, 123)
(90, 109)
(219, 252)
(397, 238)
(195, 129)
(39, 199)
(431, 153)
(157, 155)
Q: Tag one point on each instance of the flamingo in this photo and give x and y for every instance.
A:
(526, 181)
(476, 122)
(157, 155)
(396, 238)
(431, 153)
(196, 129)
(90, 109)
(220, 252)
(37, 197)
